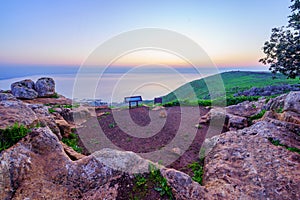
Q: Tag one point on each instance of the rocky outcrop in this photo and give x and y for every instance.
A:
(241, 164)
(27, 89)
(183, 187)
(30, 115)
(15, 111)
(24, 89)
(269, 90)
(76, 115)
(45, 118)
(37, 167)
(235, 116)
(244, 164)
(45, 87)
(40, 169)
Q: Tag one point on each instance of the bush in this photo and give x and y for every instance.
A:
(11, 135)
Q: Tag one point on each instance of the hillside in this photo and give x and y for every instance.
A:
(234, 81)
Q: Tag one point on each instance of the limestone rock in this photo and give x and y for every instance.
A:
(7, 96)
(14, 111)
(45, 87)
(64, 127)
(76, 115)
(24, 89)
(45, 118)
(61, 100)
(236, 122)
(38, 168)
(245, 165)
(183, 186)
(71, 153)
(246, 108)
(292, 102)
(275, 103)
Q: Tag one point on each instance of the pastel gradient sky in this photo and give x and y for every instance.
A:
(65, 32)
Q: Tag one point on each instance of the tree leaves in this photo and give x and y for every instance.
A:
(283, 49)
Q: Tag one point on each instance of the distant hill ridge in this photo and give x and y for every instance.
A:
(234, 82)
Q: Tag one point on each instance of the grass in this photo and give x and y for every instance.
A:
(11, 135)
(55, 95)
(112, 125)
(51, 110)
(234, 82)
(229, 100)
(197, 169)
(279, 110)
(277, 143)
(154, 180)
(72, 141)
(258, 116)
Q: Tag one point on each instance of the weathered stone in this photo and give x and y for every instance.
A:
(15, 111)
(246, 108)
(183, 186)
(275, 103)
(71, 153)
(7, 96)
(292, 102)
(45, 118)
(24, 89)
(76, 115)
(64, 127)
(269, 90)
(236, 122)
(45, 87)
(51, 101)
(38, 168)
(245, 165)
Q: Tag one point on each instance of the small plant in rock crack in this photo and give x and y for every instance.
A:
(11, 135)
(140, 180)
(51, 110)
(278, 143)
(112, 125)
(72, 141)
(161, 183)
(197, 169)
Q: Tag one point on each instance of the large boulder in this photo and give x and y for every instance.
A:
(45, 87)
(24, 89)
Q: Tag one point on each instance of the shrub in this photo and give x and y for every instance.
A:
(11, 135)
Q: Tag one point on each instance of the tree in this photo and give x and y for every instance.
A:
(283, 49)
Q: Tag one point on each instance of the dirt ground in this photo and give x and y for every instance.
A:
(164, 135)
(167, 135)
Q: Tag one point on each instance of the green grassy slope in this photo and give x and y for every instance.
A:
(233, 82)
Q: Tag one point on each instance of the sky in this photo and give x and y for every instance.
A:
(66, 32)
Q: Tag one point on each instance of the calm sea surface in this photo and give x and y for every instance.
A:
(112, 87)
